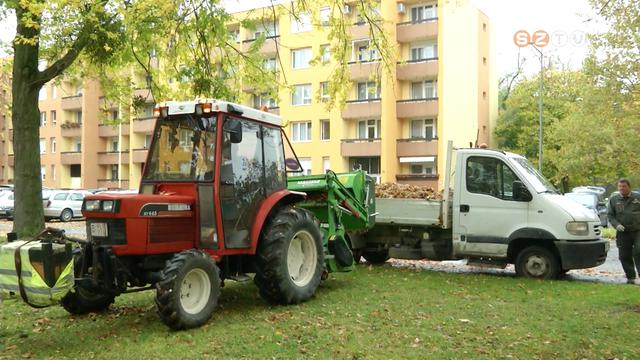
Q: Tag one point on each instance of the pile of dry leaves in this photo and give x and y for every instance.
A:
(404, 191)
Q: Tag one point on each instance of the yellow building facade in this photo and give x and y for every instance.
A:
(443, 87)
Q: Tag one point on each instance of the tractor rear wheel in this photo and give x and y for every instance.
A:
(82, 301)
(290, 257)
(189, 290)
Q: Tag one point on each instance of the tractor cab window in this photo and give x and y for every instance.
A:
(183, 149)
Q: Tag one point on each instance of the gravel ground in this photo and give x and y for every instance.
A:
(609, 272)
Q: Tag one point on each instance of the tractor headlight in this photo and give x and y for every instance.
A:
(107, 205)
(578, 228)
(92, 205)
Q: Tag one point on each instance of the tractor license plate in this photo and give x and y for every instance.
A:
(99, 229)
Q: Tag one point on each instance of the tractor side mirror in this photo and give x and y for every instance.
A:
(292, 164)
(234, 128)
(520, 192)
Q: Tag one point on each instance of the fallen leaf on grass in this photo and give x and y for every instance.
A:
(464, 320)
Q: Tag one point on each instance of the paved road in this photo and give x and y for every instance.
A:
(610, 271)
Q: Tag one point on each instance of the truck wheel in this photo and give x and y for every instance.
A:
(538, 263)
(188, 291)
(376, 257)
(82, 301)
(66, 215)
(290, 257)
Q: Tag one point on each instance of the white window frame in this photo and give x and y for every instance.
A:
(301, 131)
(43, 172)
(54, 117)
(363, 52)
(53, 172)
(43, 145)
(325, 54)
(428, 50)
(305, 163)
(424, 85)
(302, 92)
(301, 24)
(423, 125)
(52, 145)
(42, 94)
(324, 91)
(369, 95)
(325, 135)
(300, 58)
(366, 125)
(325, 15)
(425, 168)
(423, 10)
(43, 118)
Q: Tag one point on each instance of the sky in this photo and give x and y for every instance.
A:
(566, 21)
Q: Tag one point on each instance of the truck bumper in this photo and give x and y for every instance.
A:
(582, 254)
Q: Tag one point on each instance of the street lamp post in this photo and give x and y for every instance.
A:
(540, 108)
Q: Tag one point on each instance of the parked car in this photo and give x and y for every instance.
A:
(64, 204)
(591, 201)
(594, 189)
(6, 204)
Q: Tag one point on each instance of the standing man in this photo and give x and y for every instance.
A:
(623, 212)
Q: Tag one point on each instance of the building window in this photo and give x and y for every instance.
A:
(79, 117)
(424, 12)
(53, 172)
(300, 58)
(422, 169)
(368, 90)
(42, 94)
(268, 30)
(77, 144)
(364, 51)
(147, 141)
(43, 146)
(369, 164)
(301, 95)
(423, 90)
(43, 172)
(424, 51)
(114, 172)
(54, 117)
(326, 164)
(325, 15)
(115, 115)
(52, 144)
(114, 144)
(270, 64)
(324, 92)
(263, 100)
(325, 130)
(306, 167)
(368, 129)
(79, 90)
(75, 170)
(43, 119)
(301, 23)
(325, 54)
(301, 131)
(423, 129)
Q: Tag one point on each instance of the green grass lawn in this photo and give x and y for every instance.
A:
(375, 312)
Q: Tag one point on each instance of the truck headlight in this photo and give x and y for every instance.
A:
(578, 228)
(92, 205)
(107, 205)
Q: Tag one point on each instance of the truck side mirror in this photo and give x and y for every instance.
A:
(520, 192)
(234, 128)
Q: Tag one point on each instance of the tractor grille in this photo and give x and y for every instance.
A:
(116, 232)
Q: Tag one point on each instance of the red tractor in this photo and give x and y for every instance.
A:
(213, 204)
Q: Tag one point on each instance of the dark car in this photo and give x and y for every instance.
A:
(591, 201)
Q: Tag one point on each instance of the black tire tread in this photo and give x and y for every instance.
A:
(555, 271)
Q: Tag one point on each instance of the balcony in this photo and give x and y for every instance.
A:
(109, 130)
(407, 32)
(144, 94)
(416, 147)
(113, 183)
(70, 157)
(362, 109)
(140, 155)
(430, 180)
(71, 129)
(417, 69)
(72, 102)
(416, 108)
(113, 157)
(360, 147)
(144, 125)
(268, 47)
(10, 159)
(360, 31)
(363, 69)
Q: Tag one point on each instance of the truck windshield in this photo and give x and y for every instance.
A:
(183, 149)
(533, 176)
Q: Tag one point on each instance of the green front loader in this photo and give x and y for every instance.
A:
(345, 206)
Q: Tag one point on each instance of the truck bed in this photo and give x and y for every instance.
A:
(408, 212)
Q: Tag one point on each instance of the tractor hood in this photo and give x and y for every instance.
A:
(138, 205)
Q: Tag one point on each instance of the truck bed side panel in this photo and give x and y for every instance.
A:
(408, 212)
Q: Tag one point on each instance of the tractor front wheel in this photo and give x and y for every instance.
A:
(290, 257)
(82, 301)
(189, 290)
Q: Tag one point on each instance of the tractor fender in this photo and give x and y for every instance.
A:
(282, 197)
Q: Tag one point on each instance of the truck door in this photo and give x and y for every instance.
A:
(486, 214)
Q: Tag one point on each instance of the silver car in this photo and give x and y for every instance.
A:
(64, 204)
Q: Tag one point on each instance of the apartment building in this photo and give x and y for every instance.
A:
(444, 87)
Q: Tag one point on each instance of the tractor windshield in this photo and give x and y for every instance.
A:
(183, 149)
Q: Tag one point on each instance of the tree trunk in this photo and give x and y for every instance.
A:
(29, 214)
